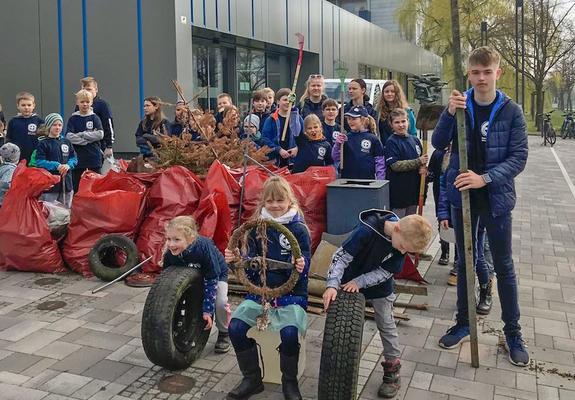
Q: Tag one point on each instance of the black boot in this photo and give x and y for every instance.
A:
(485, 298)
(391, 379)
(444, 258)
(288, 366)
(252, 382)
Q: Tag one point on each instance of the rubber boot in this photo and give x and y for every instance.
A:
(485, 298)
(223, 343)
(391, 379)
(288, 366)
(444, 258)
(252, 382)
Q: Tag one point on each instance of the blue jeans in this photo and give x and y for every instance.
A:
(484, 261)
(499, 236)
(238, 330)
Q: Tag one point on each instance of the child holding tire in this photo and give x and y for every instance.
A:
(366, 262)
(287, 313)
(185, 246)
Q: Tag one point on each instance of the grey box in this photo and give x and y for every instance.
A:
(346, 198)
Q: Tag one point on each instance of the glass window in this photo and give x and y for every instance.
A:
(210, 73)
(278, 71)
(250, 75)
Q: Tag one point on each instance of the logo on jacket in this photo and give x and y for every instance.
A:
(484, 128)
(32, 129)
(365, 145)
(334, 135)
(89, 125)
(321, 151)
(418, 149)
(284, 243)
(65, 149)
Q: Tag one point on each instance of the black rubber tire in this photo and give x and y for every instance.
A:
(552, 136)
(341, 348)
(98, 254)
(159, 317)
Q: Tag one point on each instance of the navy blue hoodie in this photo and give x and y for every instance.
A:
(403, 186)
(50, 153)
(328, 131)
(102, 110)
(85, 133)
(22, 132)
(309, 107)
(311, 153)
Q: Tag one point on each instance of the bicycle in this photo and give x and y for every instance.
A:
(568, 127)
(547, 132)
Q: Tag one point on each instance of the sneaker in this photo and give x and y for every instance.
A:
(516, 348)
(452, 280)
(425, 257)
(223, 343)
(443, 259)
(454, 337)
(453, 271)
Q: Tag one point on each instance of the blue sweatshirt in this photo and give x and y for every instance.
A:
(328, 131)
(102, 110)
(311, 153)
(85, 133)
(145, 133)
(22, 132)
(52, 152)
(363, 156)
(403, 186)
(279, 249)
(205, 256)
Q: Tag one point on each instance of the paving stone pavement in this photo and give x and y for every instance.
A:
(91, 348)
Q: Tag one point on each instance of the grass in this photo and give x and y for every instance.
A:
(556, 122)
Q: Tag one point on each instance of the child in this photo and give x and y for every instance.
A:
(270, 99)
(313, 148)
(10, 154)
(230, 121)
(287, 314)
(313, 97)
(251, 130)
(180, 119)
(392, 97)
(497, 149)
(329, 111)
(102, 110)
(185, 246)
(84, 130)
(405, 165)
(434, 175)
(356, 90)
(363, 152)
(366, 262)
(153, 126)
(57, 155)
(224, 100)
(283, 150)
(22, 128)
(259, 106)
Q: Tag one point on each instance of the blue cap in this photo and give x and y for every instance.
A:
(357, 111)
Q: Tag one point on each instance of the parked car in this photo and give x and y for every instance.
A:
(333, 86)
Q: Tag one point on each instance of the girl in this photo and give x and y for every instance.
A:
(57, 155)
(356, 90)
(392, 97)
(180, 119)
(313, 147)
(313, 97)
(287, 314)
(405, 164)
(185, 246)
(363, 152)
(152, 127)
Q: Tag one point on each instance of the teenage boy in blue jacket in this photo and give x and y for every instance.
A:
(497, 150)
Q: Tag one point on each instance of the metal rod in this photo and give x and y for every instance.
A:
(122, 276)
(245, 162)
(269, 171)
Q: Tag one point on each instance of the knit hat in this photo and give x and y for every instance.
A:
(252, 119)
(10, 153)
(50, 119)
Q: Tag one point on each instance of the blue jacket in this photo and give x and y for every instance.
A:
(311, 153)
(145, 133)
(102, 110)
(309, 107)
(22, 132)
(52, 152)
(272, 131)
(328, 131)
(204, 255)
(385, 130)
(348, 106)
(280, 250)
(505, 151)
(85, 132)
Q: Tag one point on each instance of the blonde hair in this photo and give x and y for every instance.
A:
(276, 188)
(268, 91)
(369, 123)
(417, 230)
(186, 224)
(307, 82)
(83, 94)
(88, 80)
(485, 56)
(310, 119)
(25, 96)
(383, 107)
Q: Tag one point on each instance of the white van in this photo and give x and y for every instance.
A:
(373, 89)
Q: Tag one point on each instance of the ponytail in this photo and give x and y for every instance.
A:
(369, 123)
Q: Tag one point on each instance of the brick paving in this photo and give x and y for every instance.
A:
(91, 348)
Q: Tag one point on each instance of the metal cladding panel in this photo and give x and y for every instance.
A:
(296, 21)
(210, 10)
(313, 33)
(275, 19)
(73, 52)
(113, 61)
(243, 12)
(48, 98)
(197, 15)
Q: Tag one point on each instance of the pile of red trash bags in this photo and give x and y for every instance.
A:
(138, 205)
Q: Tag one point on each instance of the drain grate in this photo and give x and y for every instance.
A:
(51, 305)
(46, 281)
(176, 384)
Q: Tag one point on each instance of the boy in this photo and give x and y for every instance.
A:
(102, 110)
(57, 155)
(84, 130)
(366, 262)
(497, 151)
(259, 106)
(282, 150)
(329, 112)
(10, 154)
(224, 100)
(22, 128)
(251, 130)
(270, 99)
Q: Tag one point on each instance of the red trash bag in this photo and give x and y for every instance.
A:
(213, 218)
(409, 271)
(25, 240)
(175, 192)
(254, 183)
(310, 188)
(219, 179)
(105, 204)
